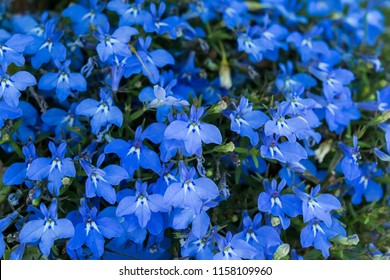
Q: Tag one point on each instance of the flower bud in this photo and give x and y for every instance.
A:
(282, 251)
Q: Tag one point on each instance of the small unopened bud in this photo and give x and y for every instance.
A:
(275, 221)
(225, 77)
(227, 148)
(5, 137)
(351, 240)
(218, 108)
(323, 150)
(66, 181)
(282, 251)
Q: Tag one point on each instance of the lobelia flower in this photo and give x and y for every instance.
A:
(46, 228)
(193, 132)
(64, 81)
(278, 205)
(161, 98)
(283, 152)
(85, 19)
(155, 23)
(62, 121)
(264, 238)
(47, 46)
(245, 120)
(141, 204)
(4, 223)
(233, 248)
(281, 126)
(10, 86)
(134, 154)
(54, 169)
(11, 51)
(364, 185)
(91, 229)
(115, 44)
(307, 45)
(102, 113)
(130, 13)
(8, 113)
(17, 173)
(286, 80)
(190, 192)
(318, 233)
(315, 205)
(148, 61)
(349, 164)
(100, 182)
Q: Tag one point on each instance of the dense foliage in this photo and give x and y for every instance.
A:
(222, 129)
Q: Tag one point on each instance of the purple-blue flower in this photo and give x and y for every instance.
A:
(315, 205)
(190, 192)
(103, 113)
(350, 164)
(53, 169)
(63, 81)
(46, 228)
(141, 204)
(245, 121)
(233, 248)
(193, 132)
(100, 182)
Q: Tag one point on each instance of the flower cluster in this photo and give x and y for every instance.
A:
(223, 129)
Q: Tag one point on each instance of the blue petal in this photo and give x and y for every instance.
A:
(39, 169)
(15, 174)
(177, 130)
(307, 236)
(143, 214)
(64, 228)
(119, 147)
(106, 191)
(47, 241)
(87, 107)
(328, 202)
(54, 117)
(95, 242)
(32, 231)
(206, 188)
(78, 238)
(23, 79)
(115, 174)
(210, 134)
(162, 58)
(77, 82)
(150, 160)
(109, 227)
(126, 206)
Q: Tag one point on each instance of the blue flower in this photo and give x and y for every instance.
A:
(141, 204)
(190, 192)
(316, 205)
(307, 45)
(245, 120)
(349, 164)
(156, 23)
(130, 14)
(278, 205)
(12, 50)
(100, 182)
(318, 233)
(115, 44)
(283, 152)
(63, 81)
(365, 186)
(103, 113)
(148, 61)
(8, 113)
(85, 19)
(135, 154)
(4, 223)
(286, 80)
(281, 126)
(54, 169)
(233, 248)
(193, 132)
(91, 229)
(46, 228)
(17, 173)
(63, 122)
(48, 46)
(264, 238)
(10, 86)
